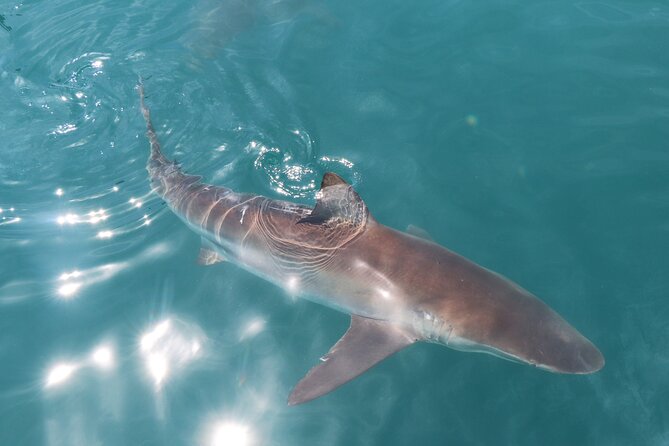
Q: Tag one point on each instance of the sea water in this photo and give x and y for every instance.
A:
(531, 137)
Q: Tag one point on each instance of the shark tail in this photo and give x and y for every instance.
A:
(163, 173)
(156, 157)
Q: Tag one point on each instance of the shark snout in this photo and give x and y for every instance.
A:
(537, 335)
(563, 349)
(579, 356)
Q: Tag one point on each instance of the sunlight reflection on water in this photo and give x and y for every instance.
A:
(520, 130)
(101, 357)
(231, 433)
(170, 346)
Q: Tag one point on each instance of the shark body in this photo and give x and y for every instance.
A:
(398, 288)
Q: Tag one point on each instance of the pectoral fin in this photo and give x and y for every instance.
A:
(367, 342)
(208, 255)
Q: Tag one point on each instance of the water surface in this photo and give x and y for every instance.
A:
(530, 137)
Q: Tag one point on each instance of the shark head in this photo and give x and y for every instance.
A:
(539, 336)
(502, 319)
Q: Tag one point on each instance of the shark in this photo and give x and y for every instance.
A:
(400, 288)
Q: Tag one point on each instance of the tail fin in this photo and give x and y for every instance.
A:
(163, 173)
(156, 157)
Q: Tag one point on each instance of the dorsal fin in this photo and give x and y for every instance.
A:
(331, 179)
(337, 200)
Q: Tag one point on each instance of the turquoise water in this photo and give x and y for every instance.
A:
(529, 137)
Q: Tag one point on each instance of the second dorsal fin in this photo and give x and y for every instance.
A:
(420, 233)
(337, 200)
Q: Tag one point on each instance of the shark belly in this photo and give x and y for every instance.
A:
(344, 284)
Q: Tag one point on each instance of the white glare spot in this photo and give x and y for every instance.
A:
(295, 173)
(63, 129)
(195, 347)
(69, 289)
(59, 192)
(105, 234)
(157, 365)
(115, 188)
(103, 357)
(169, 347)
(343, 161)
(231, 434)
(293, 284)
(63, 98)
(66, 276)
(11, 209)
(79, 94)
(252, 328)
(150, 338)
(1, 211)
(135, 202)
(71, 282)
(93, 217)
(59, 374)
(97, 63)
(70, 219)
(384, 293)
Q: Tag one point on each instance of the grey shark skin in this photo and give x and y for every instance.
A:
(398, 288)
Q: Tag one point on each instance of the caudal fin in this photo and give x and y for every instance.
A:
(156, 157)
(164, 174)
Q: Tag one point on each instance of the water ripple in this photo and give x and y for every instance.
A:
(291, 170)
